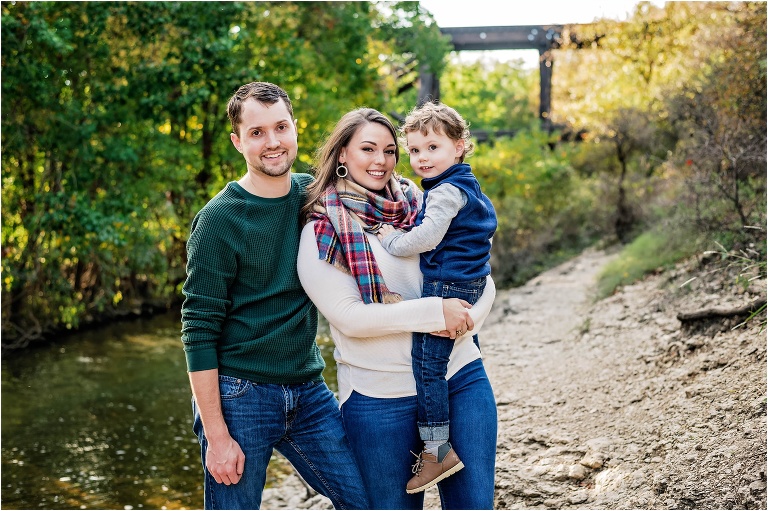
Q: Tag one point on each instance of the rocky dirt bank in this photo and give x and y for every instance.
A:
(616, 404)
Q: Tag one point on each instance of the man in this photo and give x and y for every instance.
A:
(249, 328)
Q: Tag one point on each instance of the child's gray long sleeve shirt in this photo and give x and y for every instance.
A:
(442, 205)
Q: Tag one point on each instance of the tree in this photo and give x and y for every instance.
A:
(421, 51)
(721, 121)
(616, 82)
(114, 133)
(493, 96)
(63, 227)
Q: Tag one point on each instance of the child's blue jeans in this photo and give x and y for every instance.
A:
(430, 361)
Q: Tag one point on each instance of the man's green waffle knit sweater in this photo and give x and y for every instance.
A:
(245, 311)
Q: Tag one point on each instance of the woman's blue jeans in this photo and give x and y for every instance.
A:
(430, 355)
(383, 431)
(303, 423)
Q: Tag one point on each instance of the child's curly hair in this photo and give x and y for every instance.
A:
(442, 119)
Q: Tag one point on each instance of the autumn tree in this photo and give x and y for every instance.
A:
(615, 81)
(721, 121)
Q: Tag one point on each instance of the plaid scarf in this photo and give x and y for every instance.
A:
(341, 216)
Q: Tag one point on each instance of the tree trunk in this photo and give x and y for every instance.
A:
(625, 220)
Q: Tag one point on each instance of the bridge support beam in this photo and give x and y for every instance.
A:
(542, 38)
(545, 88)
(429, 87)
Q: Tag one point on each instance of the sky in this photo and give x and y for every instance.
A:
(491, 13)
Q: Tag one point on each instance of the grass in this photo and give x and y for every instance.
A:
(751, 266)
(652, 250)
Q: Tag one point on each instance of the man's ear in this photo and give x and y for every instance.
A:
(236, 142)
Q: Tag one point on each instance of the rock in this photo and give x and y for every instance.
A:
(560, 472)
(593, 460)
(579, 497)
(577, 472)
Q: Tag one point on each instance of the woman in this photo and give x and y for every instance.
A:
(371, 300)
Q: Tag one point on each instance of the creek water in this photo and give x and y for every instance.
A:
(102, 420)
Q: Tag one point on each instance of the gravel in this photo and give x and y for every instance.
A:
(614, 404)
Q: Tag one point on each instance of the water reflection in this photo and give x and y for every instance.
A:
(103, 420)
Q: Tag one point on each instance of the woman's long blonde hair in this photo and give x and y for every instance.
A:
(327, 157)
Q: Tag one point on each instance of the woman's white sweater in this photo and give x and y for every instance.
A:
(373, 341)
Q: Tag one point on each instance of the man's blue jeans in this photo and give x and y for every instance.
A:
(430, 361)
(382, 431)
(303, 423)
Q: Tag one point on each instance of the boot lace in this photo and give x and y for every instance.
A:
(416, 468)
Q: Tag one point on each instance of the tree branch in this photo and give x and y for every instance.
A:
(721, 312)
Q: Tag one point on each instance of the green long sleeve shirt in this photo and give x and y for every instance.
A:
(245, 312)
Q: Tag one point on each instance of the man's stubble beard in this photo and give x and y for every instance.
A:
(270, 171)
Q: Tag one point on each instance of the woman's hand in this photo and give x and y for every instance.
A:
(457, 318)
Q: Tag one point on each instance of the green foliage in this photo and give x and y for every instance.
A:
(547, 211)
(414, 31)
(630, 65)
(658, 248)
(750, 263)
(543, 207)
(722, 131)
(114, 132)
(622, 82)
(495, 96)
(744, 266)
(71, 246)
(407, 26)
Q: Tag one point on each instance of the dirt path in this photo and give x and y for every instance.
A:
(612, 405)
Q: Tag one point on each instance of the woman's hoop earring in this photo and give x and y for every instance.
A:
(341, 168)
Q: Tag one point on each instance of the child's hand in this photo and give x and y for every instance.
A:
(384, 231)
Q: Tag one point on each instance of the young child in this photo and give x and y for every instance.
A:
(452, 232)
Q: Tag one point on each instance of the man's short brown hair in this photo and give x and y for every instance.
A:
(264, 92)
